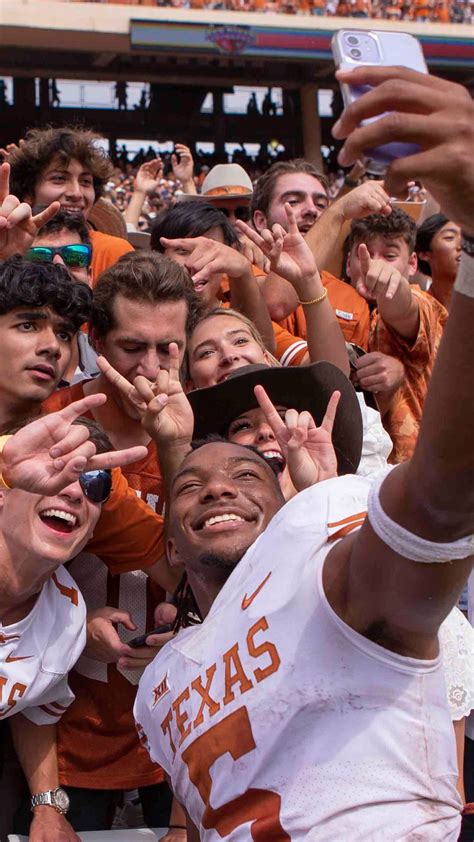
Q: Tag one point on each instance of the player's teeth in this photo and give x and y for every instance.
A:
(221, 519)
(272, 454)
(62, 515)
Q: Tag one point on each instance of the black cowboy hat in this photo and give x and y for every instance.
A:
(302, 388)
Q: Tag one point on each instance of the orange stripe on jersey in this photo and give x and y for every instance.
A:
(50, 711)
(71, 593)
(62, 708)
(345, 530)
(358, 516)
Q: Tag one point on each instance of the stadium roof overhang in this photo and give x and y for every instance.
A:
(191, 47)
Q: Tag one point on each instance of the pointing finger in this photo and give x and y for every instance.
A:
(330, 414)
(271, 414)
(42, 218)
(364, 258)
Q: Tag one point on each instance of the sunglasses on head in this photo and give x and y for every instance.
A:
(241, 212)
(75, 256)
(96, 485)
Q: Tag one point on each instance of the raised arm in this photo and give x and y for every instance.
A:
(292, 259)
(183, 168)
(330, 231)
(207, 260)
(396, 303)
(373, 581)
(147, 181)
(51, 452)
(18, 226)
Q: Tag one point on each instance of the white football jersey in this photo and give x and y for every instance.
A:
(276, 721)
(37, 653)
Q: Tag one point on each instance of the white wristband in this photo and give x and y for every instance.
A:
(407, 544)
(465, 277)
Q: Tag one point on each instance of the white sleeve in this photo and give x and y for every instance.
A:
(52, 706)
(456, 640)
(376, 442)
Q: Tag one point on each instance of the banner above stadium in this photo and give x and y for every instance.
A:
(271, 42)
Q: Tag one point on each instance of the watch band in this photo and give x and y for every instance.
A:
(55, 798)
(41, 799)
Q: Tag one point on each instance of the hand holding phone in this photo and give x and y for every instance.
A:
(353, 48)
(141, 640)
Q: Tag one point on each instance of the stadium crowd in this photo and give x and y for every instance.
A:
(236, 486)
(436, 11)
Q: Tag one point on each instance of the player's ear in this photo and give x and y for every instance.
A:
(172, 553)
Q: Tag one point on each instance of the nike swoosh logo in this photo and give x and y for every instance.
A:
(11, 658)
(247, 600)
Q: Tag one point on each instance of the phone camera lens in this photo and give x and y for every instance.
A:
(352, 39)
(355, 53)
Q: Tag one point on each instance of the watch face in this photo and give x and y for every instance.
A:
(61, 799)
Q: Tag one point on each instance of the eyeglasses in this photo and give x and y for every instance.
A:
(96, 485)
(76, 256)
(241, 212)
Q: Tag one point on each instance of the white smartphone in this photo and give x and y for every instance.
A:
(352, 48)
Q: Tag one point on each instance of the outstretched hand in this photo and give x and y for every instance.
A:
(51, 452)
(288, 253)
(308, 449)
(379, 278)
(184, 167)
(164, 409)
(147, 179)
(18, 226)
(416, 108)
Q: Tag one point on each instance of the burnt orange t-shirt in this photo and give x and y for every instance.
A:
(106, 250)
(98, 746)
(351, 310)
(402, 419)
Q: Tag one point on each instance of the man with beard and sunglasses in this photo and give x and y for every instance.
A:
(55, 476)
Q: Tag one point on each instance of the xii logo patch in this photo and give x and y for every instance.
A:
(161, 689)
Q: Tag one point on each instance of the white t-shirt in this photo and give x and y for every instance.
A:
(275, 713)
(37, 653)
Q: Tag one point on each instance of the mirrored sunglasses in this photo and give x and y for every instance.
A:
(96, 485)
(241, 212)
(75, 256)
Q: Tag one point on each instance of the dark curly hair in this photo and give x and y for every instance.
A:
(42, 146)
(27, 284)
(66, 221)
(397, 224)
(190, 219)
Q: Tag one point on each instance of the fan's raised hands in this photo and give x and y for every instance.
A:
(288, 253)
(307, 448)
(18, 226)
(162, 405)
(51, 452)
